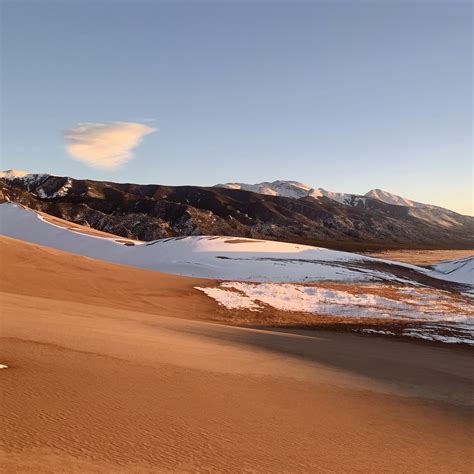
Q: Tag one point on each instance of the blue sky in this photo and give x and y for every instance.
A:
(347, 96)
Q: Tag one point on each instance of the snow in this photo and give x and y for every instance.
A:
(291, 189)
(263, 273)
(439, 316)
(307, 299)
(12, 174)
(423, 333)
(224, 258)
(426, 212)
(342, 198)
(460, 270)
(230, 299)
(317, 300)
(200, 256)
(30, 179)
(390, 198)
(64, 189)
(378, 331)
(297, 190)
(419, 209)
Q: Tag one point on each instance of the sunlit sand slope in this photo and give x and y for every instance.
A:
(100, 379)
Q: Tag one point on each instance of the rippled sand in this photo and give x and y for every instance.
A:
(105, 375)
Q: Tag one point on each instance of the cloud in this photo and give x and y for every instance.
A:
(105, 145)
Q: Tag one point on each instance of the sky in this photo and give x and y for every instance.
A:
(343, 95)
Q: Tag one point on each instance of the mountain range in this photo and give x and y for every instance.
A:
(293, 189)
(282, 210)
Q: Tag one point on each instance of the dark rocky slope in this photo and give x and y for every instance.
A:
(149, 212)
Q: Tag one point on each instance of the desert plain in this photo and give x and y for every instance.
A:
(116, 369)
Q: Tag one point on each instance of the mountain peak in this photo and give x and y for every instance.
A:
(297, 190)
(390, 198)
(292, 189)
(13, 173)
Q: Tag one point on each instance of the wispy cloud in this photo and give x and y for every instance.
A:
(105, 145)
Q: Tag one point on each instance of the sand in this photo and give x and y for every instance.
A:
(105, 374)
(420, 257)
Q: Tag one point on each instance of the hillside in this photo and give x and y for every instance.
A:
(281, 283)
(425, 212)
(225, 258)
(150, 212)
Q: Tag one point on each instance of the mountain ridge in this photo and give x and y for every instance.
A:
(275, 188)
(150, 212)
(428, 212)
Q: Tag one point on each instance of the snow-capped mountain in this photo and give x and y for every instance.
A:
(30, 180)
(427, 212)
(11, 174)
(290, 189)
(288, 211)
(390, 198)
(294, 189)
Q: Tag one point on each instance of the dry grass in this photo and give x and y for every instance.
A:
(420, 257)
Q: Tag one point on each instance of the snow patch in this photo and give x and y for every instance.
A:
(460, 270)
(64, 189)
(446, 318)
(230, 299)
(378, 331)
(317, 300)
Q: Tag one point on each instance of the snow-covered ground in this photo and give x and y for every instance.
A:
(450, 318)
(225, 258)
(460, 270)
(310, 299)
(265, 272)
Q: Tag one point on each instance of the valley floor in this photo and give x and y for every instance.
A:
(107, 373)
(420, 257)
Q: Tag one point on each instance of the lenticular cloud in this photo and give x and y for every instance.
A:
(105, 145)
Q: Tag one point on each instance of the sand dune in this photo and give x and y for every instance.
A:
(215, 257)
(105, 375)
